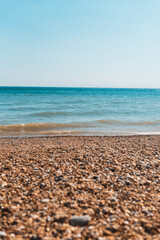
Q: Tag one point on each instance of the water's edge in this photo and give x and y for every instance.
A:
(75, 128)
(81, 136)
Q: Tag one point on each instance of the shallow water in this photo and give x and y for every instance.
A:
(45, 111)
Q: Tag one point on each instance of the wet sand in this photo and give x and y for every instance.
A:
(113, 183)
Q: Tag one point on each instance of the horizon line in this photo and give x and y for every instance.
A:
(84, 87)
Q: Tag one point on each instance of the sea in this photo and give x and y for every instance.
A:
(32, 111)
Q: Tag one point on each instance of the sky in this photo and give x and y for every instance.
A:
(85, 43)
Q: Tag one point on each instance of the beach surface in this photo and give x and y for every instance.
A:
(80, 188)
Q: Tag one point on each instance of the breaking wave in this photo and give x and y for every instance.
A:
(75, 127)
(140, 123)
(41, 128)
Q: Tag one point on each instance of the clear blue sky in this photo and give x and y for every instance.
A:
(92, 43)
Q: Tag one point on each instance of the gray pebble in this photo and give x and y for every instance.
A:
(127, 182)
(79, 220)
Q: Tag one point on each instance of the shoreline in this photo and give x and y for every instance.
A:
(89, 128)
(81, 135)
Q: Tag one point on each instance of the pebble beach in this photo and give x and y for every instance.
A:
(101, 188)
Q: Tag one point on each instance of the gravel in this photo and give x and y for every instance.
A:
(80, 188)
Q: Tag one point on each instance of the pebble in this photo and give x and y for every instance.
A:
(45, 200)
(3, 234)
(79, 220)
(127, 182)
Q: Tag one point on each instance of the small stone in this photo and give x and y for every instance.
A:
(148, 167)
(105, 210)
(4, 184)
(61, 218)
(113, 169)
(95, 177)
(3, 234)
(45, 200)
(48, 219)
(78, 235)
(114, 228)
(106, 169)
(147, 183)
(90, 228)
(127, 182)
(79, 220)
(126, 222)
(59, 178)
(35, 237)
(42, 185)
(12, 235)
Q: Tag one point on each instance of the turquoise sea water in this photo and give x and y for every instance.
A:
(86, 111)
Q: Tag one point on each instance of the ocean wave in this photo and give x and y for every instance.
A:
(66, 113)
(102, 126)
(47, 114)
(34, 128)
(119, 122)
